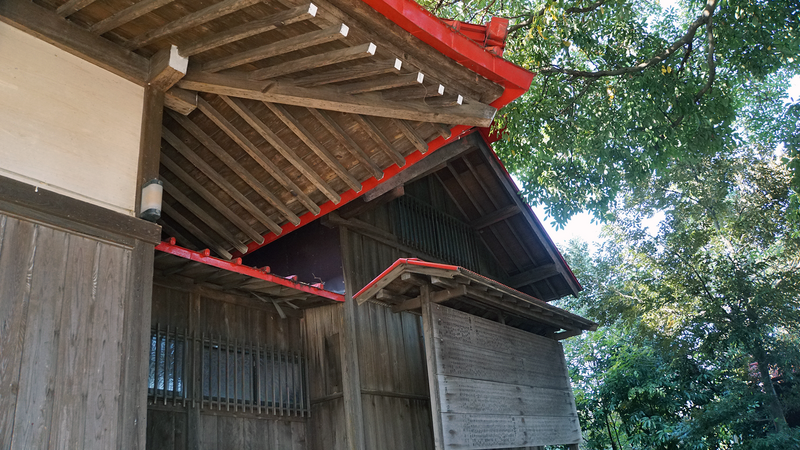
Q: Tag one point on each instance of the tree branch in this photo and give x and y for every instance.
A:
(712, 64)
(590, 8)
(704, 18)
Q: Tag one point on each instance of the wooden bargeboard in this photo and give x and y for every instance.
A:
(494, 386)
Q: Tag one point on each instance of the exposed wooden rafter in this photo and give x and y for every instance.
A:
(411, 134)
(251, 28)
(369, 69)
(188, 21)
(277, 143)
(383, 83)
(128, 14)
(383, 142)
(237, 168)
(282, 47)
(347, 142)
(314, 62)
(371, 104)
(308, 138)
(256, 154)
(180, 100)
(197, 232)
(223, 184)
(415, 92)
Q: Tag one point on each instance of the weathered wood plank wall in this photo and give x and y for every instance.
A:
(202, 313)
(498, 387)
(72, 338)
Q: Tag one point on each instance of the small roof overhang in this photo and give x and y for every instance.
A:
(464, 290)
(174, 264)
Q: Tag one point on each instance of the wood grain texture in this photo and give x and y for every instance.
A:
(495, 386)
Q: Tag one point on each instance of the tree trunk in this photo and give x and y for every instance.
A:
(775, 407)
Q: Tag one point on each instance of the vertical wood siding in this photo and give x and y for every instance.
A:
(233, 425)
(68, 324)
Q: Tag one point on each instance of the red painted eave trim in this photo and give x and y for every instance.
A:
(404, 262)
(430, 29)
(237, 267)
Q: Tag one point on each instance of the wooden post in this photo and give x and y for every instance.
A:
(351, 376)
(430, 360)
(150, 141)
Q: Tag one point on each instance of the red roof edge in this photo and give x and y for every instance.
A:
(433, 31)
(237, 267)
(404, 261)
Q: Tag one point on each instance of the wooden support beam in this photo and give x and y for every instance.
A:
(72, 6)
(46, 25)
(149, 142)
(214, 176)
(497, 216)
(360, 205)
(126, 15)
(522, 309)
(195, 209)
(533, 275)
(308, 138)
(277, 143)
(315, 61)
(211, 199)
(252, 28)
(180, 100)
(166, 68)
(369, 69)
(426, 165)
(371, 104)
(445, 101)
(188, 21)
(383, 83)
(197, 232)
(383, 142)
(237, 168)
(444, 130)
(414, 92)
(436, 297)
(289, 45)
(411, 134)
(384, 295)
(347, 142)
(256, 154)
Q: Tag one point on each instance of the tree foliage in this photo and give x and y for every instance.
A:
(702, 317)
(627, 90)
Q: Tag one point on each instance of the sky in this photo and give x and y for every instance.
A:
(581, 225)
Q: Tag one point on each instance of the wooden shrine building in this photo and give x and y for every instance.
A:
(340, 261)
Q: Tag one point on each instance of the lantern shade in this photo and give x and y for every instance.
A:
(152, 193)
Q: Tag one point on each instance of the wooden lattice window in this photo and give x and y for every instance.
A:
(221, 374)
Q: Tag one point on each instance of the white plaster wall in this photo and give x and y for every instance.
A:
(67, 125)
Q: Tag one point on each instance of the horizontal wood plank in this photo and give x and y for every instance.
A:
(473, 431)
(465, 395)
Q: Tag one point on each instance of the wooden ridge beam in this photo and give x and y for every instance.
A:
(126, 15)
(383, 142)
(315, 61)
(188, 21)
(411, 134)
(212, 199)
(277, 143)
(180, 100)
(383, 83)
(167, 67)
(369, 69)
(237, 168)
(219, 180)
(197, 232)
(278, 48)
(327, 157)
(252, 28)
(46, 25)
(256, 154)
(414, 92)
(497, 216)
(347, 142)
(195, 209)
(370, 104)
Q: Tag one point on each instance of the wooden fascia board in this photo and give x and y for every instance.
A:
(49, 27)
(472, 114)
